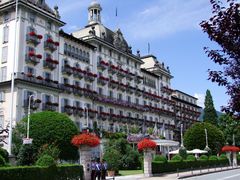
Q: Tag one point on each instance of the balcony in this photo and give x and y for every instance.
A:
(130, 76)
(121, 73)
(102, 80)
(138, 92)
(90, 77)
(113, 84)
(50, 45)
(33, 38)
(77, 73)
(138, 79)
(102, 65)
(77, 91)
(122, 87)
(32, 58)
(67, 88)
(34, 104)
(50, 106)
(92, 113)
(130, 89)
(113, 69)
(49, 63)
(67, 109)
(78, 111)
(67, 70)
(103, 116)
(90, 93)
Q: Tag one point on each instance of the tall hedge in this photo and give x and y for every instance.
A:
(194, 138)
(73, 172)
(48, 128)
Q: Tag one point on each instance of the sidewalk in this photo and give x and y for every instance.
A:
(171, 176)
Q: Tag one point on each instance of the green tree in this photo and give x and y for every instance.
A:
(230, 126)
(129, 157)
(48, 128)
(194, 137)
(210, 114)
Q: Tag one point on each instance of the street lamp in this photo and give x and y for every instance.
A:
(29, 109)
(181, 135)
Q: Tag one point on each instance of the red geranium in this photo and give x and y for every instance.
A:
(146, 144)
(39, 56)
(230, 148)
(56, 43)
(39, 36)
(88, 139)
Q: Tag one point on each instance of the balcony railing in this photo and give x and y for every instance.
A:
(50, 63)
(112, 69)
(88, 76)
(113, 84)
(67, 69)
(78, 111)
(51, 45)
(102, 80)
(67, 88)
(32, 58)
(49, 106)
(77, 73)
(33, 38)
(67, 109)
(102, 65)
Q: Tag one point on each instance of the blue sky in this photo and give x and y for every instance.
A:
(172, 29)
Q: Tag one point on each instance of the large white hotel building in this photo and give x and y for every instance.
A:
(92, 71)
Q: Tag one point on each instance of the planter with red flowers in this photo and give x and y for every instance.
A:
(102, 65)
(49, 63)
(32, 58)
(34, 38)
(147, 146)
(85, 141)
(51, 45)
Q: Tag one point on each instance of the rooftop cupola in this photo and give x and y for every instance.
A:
(94, 13)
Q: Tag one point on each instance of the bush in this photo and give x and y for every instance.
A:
(183, 152)
(173, 166)
(177, 158)
(73, 172)
(2, 161)
(191, 158)
(222, 157)
(4, 154)
(194, 137)
(48, 128)
(46, 160)
(160, 158)
(203, 158)
(113, 159)
(26, 155)
(51, 150)
(213, 158)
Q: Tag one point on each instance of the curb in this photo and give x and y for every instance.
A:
(188, 176)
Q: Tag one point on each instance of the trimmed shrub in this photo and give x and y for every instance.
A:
(48, 128)
(63, 172)
(45, 160)
(160, 158)
(26, 155)
(203, 158)
(4, 154)
(176, 158)
(213, 158)
(2, 161)
(222, 157)
(191, 158)
(183, 152)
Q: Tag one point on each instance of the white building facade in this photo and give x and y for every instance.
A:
(91, 75)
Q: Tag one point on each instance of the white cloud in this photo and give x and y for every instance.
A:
(166, 17)
(201, 99)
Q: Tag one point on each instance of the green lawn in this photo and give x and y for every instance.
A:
(129, 172)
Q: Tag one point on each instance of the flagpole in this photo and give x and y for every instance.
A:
(12, 82)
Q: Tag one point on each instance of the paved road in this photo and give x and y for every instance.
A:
(225, 175)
